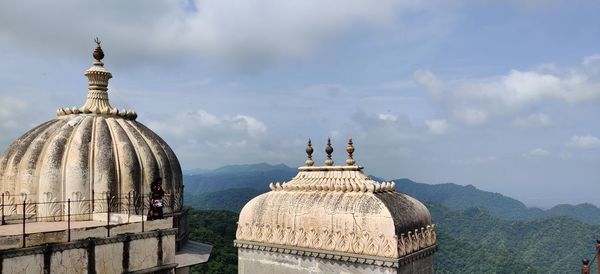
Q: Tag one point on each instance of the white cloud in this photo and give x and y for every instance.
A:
(537, 152)
(474, 101)
(251, 125)
(437, 126)
(429, 81)
(387, 117)
(532, 121)
(592, 59)
(584, 142)
(471, 116)
(245, 33)
(214, 140)
(189, 127)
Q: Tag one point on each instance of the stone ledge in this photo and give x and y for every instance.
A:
(153, 269)
(340, 256)
(16, 252)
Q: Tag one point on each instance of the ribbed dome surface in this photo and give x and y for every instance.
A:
(90, 151)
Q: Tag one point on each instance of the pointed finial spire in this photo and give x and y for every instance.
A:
(329, 150)
(309, 152)
(350, 149)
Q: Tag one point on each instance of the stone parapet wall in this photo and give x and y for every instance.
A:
(50, 234)
(131, 252)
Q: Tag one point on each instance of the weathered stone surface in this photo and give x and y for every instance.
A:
(107, 258)
(69, 261)
(168, 247)
(31, 264)
(144, 253)
(256, 261)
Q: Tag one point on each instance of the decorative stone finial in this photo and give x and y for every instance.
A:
(329, 150)
(350, 149)
(309, 152)
(97, 98)
(98, 53)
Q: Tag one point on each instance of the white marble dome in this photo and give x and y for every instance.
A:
(87, 153)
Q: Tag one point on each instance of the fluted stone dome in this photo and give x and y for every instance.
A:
(88, 153)
(337, 212)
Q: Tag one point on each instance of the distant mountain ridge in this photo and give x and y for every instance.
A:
(230, 187)
(254, 176)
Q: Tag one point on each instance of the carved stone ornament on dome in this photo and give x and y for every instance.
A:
(348, 178)
(339, 240)
(97, 102)
(337, 211)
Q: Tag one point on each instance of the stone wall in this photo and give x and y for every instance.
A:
(261, 261)
(152, 251)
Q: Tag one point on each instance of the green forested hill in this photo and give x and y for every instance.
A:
(552, 245)
(230, 199)
(470, 241)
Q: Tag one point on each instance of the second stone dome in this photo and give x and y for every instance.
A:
(88, 153)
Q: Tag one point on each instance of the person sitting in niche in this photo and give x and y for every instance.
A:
(156, 200)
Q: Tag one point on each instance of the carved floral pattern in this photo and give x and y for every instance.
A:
(79, 205)
(49, 207)
(9, 204)
(362, 243)
(29, 203)
(100, 204)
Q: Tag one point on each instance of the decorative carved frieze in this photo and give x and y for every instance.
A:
(336, 185)
(341, 241)
(333, 255)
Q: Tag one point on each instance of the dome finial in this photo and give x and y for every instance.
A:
(97, 98)
(329, 150)
(309, 152)
(98, 53)
(350, 149)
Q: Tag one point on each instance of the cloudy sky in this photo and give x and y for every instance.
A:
(503, 95)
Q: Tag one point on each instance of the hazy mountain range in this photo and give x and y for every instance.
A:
(239, 183)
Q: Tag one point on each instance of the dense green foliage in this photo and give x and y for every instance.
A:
(473, 238)
(230, 199)
(470, 241)
(217, 228)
